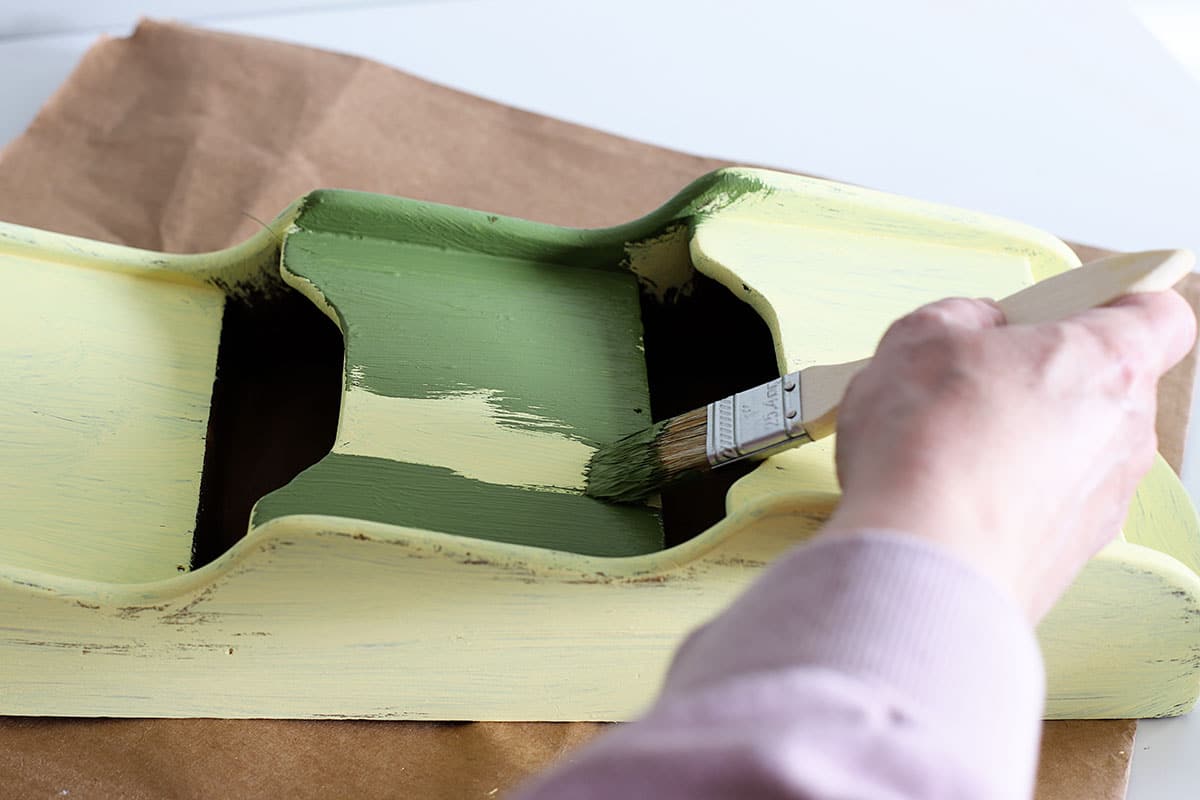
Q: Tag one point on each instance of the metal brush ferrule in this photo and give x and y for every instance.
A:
(755, 421)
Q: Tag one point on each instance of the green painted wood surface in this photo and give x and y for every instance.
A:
(553, 345)
(436, 499)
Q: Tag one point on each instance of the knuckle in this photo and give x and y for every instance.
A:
(1109, 357)
(1124, 376)
(951, 314)
(925, 321)
(1120, 368)
(945, 366)
(1053, 343)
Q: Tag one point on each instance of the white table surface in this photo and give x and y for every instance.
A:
(1081, 117)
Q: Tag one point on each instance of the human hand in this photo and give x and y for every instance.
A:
(1017, 448)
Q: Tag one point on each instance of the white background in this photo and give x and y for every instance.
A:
(1081, 117)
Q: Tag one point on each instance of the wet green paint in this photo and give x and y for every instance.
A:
(434, 498)
(626, 470)
(361, 215)
(435, 300)
(558, 343)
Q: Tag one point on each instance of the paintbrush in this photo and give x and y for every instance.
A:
(802, 406)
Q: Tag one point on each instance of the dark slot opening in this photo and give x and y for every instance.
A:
(274, 409)
(700, 348)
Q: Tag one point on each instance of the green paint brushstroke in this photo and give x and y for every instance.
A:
(557, 342)
(372, 216)
(419, 496)
(435, 299)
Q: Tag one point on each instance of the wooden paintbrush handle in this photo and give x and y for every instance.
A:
(1094, 284)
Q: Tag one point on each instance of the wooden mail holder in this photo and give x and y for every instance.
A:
(336, 471)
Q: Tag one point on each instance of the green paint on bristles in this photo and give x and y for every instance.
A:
(628, 470)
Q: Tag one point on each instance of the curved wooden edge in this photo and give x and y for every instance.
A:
(246, 263)
(1123, 641)
(738, 534)
(316, 616)
(438, 609)
(1162, 517)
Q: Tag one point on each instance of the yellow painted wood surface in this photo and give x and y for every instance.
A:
(317, 616)
(108, 355)
(107, 384)
(1142, 592)
(465, 432)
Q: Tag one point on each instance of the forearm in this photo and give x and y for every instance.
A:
(863, 664)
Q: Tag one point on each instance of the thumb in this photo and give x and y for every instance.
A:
(1153, 329)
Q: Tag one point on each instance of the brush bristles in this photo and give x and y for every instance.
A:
(683, 445)
(638, 465)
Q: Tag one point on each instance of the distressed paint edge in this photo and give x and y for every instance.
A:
(245, 267)
(776, 531)
(551, 563)
(734, 190)
(1180, 583)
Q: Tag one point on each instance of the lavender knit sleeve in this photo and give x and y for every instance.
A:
(864, 665)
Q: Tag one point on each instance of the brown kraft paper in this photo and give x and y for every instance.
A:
(179, 139)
